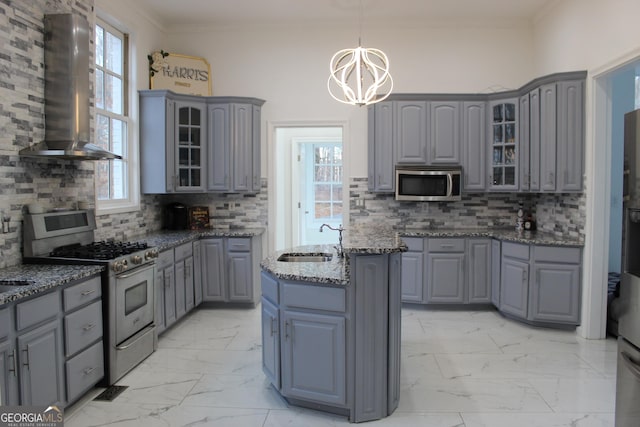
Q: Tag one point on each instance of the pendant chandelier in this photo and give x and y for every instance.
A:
(357, 75)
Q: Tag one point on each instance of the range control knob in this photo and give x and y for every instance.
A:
(120, 266)
(136, 259)
(150, 254)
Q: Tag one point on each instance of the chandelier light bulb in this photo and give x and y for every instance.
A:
(357, 75)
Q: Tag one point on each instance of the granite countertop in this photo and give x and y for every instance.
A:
(508, 234)
(167, 239)
(371, 240)
(41, 277)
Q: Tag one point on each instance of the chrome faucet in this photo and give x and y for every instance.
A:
(339, 249)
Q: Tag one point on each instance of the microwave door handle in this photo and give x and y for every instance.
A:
(450, 185)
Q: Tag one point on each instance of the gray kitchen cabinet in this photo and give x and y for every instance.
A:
(189, 271)
(570, 136)
(190, 146)
(256, 155)
(474, 146)
(445, 270)
(555, 287)
(183, 264)
(395, 332)
(495, 272)
(548, 137)
(479, 252)
(271, 342)
(242, 147)
(165, 291)
(514, 279)
(412, 270)
(218, 173)
(410, 132)
(530, 141)
(504, 146)
(381, 161)
(444, 131)
(9, 383)
(525, 145)
(180, 288)
(213, 270)
(197, 273)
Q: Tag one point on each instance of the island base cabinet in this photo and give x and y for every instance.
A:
(271, 343)
(9, 394)
(314, 357)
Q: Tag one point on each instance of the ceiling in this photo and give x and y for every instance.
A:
(172, 13)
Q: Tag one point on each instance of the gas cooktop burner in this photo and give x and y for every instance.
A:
(98, 250)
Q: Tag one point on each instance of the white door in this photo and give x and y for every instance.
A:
(319, 184)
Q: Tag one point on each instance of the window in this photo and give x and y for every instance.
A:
(113, 177)
(327, 182)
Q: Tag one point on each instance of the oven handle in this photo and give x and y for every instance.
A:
(133, 272)
(141, 334)
(633, 366)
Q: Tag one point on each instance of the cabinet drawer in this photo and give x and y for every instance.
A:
(446, 245)
(313, 297)
(415, 244)
(184, 251)
(32, 312)
(269, 288)
(564, 255)
(77, 295)
(165, 259)
(5, 322)
(239, 244)
(82, 328)
(84, 371)
(515, 250)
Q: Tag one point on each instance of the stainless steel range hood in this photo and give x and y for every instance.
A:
(66, 92)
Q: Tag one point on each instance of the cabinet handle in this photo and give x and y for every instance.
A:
(85, 293)
(246, 180)
(88, 327)
(166, 282)
(88, 371)
(524, 276)
(26, 357)
(13, 367)
(272, 331)
(286, 329)
(446, 246)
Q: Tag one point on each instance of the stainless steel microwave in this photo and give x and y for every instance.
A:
(428, 183)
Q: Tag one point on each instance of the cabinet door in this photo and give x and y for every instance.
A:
(256, 149)
(445, 278)
(479, 271)
(181, 285)
(242, 147)
(271, 342)
(410, 131)
(197, 273)
(474, 146)
(189, 302)
(445, 132)
(525, 146)
(381, 151)
(504, 145)
(570, 135)
(555, 293)
(495, 273)
(412, 281)
(41, 365)
(314, 357)
(213, 275)
(159, 315)
(169, 297)
(219, 143)
(548, 137)
(240, 276)
(8, 374)
(190, 146)
(514, 287)
(534, 140)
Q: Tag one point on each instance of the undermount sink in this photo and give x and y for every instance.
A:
(305, 257)
(10, 285)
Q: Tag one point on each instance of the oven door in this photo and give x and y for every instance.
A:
(134, 301)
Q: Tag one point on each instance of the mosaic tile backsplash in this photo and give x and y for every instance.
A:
(560, 214)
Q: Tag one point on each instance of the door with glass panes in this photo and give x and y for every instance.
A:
(504, 147)
(190, 146)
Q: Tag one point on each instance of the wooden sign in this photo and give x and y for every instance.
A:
(180, 73)
(198, 217)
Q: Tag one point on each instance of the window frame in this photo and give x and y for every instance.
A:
(132, 201)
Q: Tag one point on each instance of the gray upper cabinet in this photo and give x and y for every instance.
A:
(410, 120)
(199, 144)
(479, 271)
(570, 136)
(474, 146)
(525, 142)
(548, 138)
(504, 144)
(381, 148)
(444, 132)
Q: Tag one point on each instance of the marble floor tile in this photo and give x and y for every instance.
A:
(538, 420)
(577, 394)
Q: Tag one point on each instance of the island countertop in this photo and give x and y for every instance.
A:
(371, 241)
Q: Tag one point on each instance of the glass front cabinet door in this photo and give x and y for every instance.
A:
(504, 147)
(190, 148)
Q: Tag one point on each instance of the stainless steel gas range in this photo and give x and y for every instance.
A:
(127, 282)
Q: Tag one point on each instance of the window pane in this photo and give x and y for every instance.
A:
(322, 192)
(337, 210)
(337, 173)
(102, 131)
(99, 89)
(119, 179)
(323, 210)
(118, 135)
(323, 155)
(323, 173)
(99, 45)
(114, 54)
(336, 195)
(113, 94)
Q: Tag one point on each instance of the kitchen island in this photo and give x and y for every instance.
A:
(331, 324)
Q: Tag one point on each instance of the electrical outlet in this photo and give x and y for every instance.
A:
(360, 203)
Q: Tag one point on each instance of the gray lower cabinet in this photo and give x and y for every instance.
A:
(495, 272)
(514, 286)
(183, 256)
(165, 291)
(271, 342)
(479, 271)
(412, 270)
(197, 273)
(213, 271)
(9, 383)
(445, 271)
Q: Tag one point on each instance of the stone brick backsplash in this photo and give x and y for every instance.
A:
(561, 214)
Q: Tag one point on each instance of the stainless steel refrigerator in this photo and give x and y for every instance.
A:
(628, 375)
